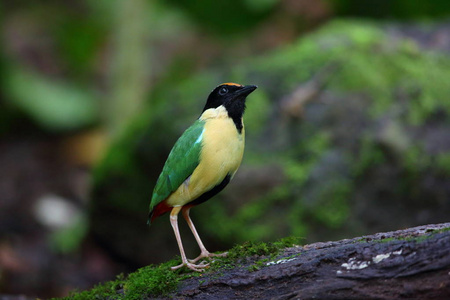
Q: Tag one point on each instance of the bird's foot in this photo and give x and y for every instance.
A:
(206, 254)
(192, 266)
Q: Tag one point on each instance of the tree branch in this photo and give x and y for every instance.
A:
(405, 264)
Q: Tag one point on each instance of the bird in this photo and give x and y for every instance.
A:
(202, 163)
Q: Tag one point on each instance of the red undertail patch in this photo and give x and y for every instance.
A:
(159, 210)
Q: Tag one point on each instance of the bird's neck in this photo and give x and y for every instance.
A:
(221, 112)
(238, 122)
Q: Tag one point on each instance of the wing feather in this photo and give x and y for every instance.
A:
(181, 163)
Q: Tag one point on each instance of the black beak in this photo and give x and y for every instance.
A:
(246, 90)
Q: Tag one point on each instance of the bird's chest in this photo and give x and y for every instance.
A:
(223, 146)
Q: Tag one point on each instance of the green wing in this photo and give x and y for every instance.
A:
(181, 163)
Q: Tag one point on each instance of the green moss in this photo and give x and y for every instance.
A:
(250, 248)
(105, 291)
(258, 265)
(282, 244)
(429, 234)
(412, 238)
(442, 230)
(152, 280)
(160, 280)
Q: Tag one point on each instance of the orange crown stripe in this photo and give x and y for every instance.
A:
(231, 83)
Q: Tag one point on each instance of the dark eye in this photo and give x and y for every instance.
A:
(223, 91)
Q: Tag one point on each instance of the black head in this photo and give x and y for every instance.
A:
(232, 96)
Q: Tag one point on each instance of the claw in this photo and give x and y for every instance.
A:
(194, 267)
(207, 254)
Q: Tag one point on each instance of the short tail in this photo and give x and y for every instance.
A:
(160, 209)
(150, 218)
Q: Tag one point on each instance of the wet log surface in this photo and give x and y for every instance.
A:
(405, 264)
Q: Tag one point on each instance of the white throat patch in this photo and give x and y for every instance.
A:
(213, 113)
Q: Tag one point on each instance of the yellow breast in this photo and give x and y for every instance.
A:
(221, 154)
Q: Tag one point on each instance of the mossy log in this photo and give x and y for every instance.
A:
(405, 264)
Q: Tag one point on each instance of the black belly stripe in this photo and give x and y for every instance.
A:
(212, 192)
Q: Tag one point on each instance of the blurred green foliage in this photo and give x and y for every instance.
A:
(392, 9)
(48, 66)
(81, 34)
(79, 37)
(371, 62)
(68, 239)
(57, 106)
(227, 17)
(443, 163)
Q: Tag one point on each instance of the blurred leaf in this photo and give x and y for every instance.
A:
(55, 105)
(389, 9)
(79, 42)
(68, 239)
(261, 5)
(226, 17)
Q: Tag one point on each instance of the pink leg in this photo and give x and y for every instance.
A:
(184, 261)
(204, 253)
